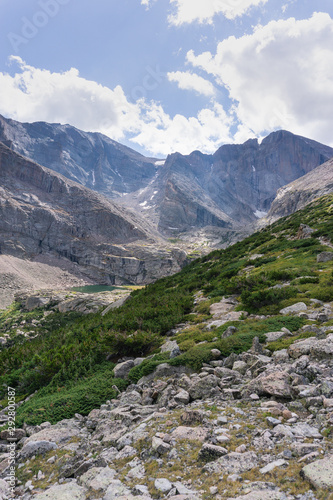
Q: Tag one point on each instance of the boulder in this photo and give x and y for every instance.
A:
(274, 336)
(323, 349)
(210, 452)
(116, 489)
(202, 387)
(162, 484)
(37, 448)
(59, 433)
(233, 463)
(320, 473)
(121, 370)
(325, 257)
(275, 383)
(66, 491)
(182, 397)
(16, 434)
(294, 309)
(302, 347)
(97, 478)
(171, 347)
(190, 433)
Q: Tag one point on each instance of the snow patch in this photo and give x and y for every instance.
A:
(159, 163)
(93, 178)
(144, 203)
(253, 168)
(259, 214)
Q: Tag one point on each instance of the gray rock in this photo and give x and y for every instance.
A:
(182, 397)
(66, 491)
(172, 347)
(233, 463)
(272, 465)
(323, 349)
(320, 473)
(97, 478)
(163, 485)
(274, 336)
(272, 422)
(275, 383)
(211, 452)
(325, 257)
(116, 489)
(302, 347)
(121, 370)
(295, 308)
(301, 449)
(231, 330)
(202, 387)
(16, 434)
(37, 448)
(304, 430)
(160, 446)
(240, 366)
(190, 433)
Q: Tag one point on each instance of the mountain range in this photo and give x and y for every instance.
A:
(119, 215)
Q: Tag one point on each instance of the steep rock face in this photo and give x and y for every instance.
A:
(91, 159)
(41, 212)
(298, 194)
(235, 186)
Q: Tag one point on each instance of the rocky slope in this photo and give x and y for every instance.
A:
(92, 159)
(301, 192)
(43, 213)
(229, 189)
(253, 426)
(216, 382)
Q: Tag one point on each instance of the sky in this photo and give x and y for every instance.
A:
(170, 75)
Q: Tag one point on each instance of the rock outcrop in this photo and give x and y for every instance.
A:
(301, 192)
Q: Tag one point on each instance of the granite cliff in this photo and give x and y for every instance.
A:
(231, 188)
(43, 213)
(91, 159)
(301, 192)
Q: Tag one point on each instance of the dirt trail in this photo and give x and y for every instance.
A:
(18, 275)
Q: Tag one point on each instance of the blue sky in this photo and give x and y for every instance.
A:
(170, 75)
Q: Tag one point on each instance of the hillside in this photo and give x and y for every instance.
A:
(238, 401)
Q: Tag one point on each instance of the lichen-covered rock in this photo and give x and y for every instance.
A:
(67, 491)
(233, 463)
(320, 473)
(275, 383)
(37, 448)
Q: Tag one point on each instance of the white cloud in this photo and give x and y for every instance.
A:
(203, 11)
(147, 3)
(34, 94)
(206, 132)
(281, 76)
(37, 94)
(191, 81)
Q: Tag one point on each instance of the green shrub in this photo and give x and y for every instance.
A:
(254, 301)
(66, 401)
